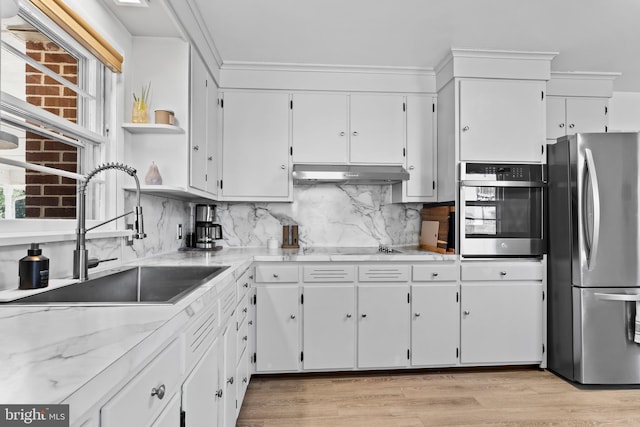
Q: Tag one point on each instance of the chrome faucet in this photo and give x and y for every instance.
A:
(81, 254)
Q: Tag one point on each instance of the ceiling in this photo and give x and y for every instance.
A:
(590, 35)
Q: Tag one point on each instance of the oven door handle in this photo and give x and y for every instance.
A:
(526, 184)
(595, 240)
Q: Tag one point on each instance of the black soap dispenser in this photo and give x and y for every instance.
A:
(34, 269)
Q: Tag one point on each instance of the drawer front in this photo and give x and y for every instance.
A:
(243, 376)
(135, 405)
(243, 284)
(200, 335)
(383, 273)
(502, 271)
(243, 310)
(242, 341)
(228, 303)
(436, 273)
(329, 273)
(277, 274)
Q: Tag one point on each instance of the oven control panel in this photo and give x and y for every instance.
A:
(501, 172)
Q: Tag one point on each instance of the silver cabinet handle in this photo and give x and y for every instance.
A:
(219, 393)
(244, 310)
(411, 167)
(503, 273)
(246, 285)
(348, 315)
(283, 167)
(245, 338)
(364, 315)
(466, 312)
(251, 277)
(293, 316)
(434, 274)
(250, 322)
(275, 275)
(196, 147)
(561, 125)
(210, 158)
(417, 314)
(342, 134)
(466, 128)
(571, 126)
(158, 392)
(230, 380)
(245, 380)
(354, 133)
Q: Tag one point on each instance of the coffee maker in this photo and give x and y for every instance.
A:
(206, 231)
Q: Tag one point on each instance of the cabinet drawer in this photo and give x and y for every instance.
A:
(502, 271)
(243, 284)
(134, 405)
(243, 376)
(436, 273)
(328, 273)
(200, 335)
(277, 274)
(243, 310)
(243, 339)
(383, 273)
(227, 301)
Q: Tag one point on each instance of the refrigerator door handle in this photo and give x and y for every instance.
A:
(617, 297)
(593, 177)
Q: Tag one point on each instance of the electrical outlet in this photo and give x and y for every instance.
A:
(179, 232)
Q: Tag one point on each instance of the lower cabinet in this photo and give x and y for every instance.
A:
(201, 391)
(383, 326)
(229, 383)
(329, 331)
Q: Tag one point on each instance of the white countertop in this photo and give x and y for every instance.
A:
(75, 354)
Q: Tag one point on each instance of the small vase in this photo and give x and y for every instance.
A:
(139, 112)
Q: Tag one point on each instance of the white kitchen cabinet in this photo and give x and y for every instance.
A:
(277, 328)
(502, 312)
(502, 120)
(334, 128)
(383, 325)
(320, 124)
(203, 144)
(435, 315)
(421, 152)
(170, 416)
(377, 129)
(255, 147)
(329, 328)
(202, 391)
(569, 115)
(229, 383)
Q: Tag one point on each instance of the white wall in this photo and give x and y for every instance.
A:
(624, 112)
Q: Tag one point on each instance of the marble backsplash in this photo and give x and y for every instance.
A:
(326, 214)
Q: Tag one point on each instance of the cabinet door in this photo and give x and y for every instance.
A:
(556, 117)
(277, 342)
(420, 146)
(435, 324)
(377, 129)
(212, 137)
(501, 322)
(586, 115)
(199, 119)
(202, 392)
(230, 383)
(502, 120)
(383, 326)
(320, 128)
(255, 145)
(329, 327)
(170, 416)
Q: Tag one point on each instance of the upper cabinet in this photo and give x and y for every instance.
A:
(578, 102)
(256, 162)
(333, 128)
(502, 120)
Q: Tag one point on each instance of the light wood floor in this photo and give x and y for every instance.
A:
(470, 397)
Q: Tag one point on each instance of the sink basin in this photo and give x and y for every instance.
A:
(130, 285)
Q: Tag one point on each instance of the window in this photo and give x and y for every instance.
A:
(54, 98)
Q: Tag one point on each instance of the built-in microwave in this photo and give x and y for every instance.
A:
(502, 210)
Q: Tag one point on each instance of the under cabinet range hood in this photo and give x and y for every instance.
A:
(349, 174)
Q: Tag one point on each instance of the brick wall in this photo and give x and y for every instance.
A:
(50, 196)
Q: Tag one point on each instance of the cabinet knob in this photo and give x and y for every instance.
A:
(503, 273)
(561, 125)
(210, 158)
(466, 312)
(571, 126)
(251, 277)
(466, 128)
(219, 393)
(342, 134)
(244, 310)
(245, 380)
(251, 322)
(348, 315)
(417, 314)
(245, 338)
(434, 274)
(283, 167)
(354, 133)
(230, 380)
(196, 147)
(411, 167)
(246, 285)
(275, 275)
(364, 315)
(293, 316)
(158, 392)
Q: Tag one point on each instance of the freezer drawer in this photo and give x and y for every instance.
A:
(604, 324)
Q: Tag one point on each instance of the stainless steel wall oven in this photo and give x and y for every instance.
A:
(502, 210)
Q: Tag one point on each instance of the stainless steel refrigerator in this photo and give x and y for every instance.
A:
(594, 257)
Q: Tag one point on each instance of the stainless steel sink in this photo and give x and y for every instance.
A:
(132, 285)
